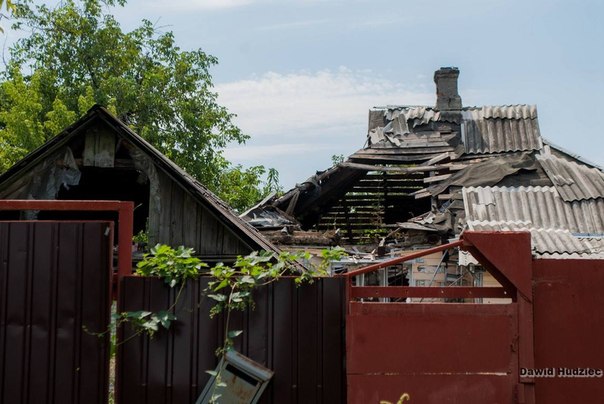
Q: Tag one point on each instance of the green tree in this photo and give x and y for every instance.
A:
(77, 55)
(246, 187)
(9, 6)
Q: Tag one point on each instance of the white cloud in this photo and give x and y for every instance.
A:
(312, 103)
(297, 121)
(293, 24)
(189, 5)
(258, 153)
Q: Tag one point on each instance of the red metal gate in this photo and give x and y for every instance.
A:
(445, 353)
(449, 353)
(54, 295)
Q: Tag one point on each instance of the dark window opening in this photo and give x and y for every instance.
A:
(115, 184)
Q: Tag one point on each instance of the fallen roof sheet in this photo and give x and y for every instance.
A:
(574, 182)
(268, 217)
(398, 118)
(488, 172)
(542, 207)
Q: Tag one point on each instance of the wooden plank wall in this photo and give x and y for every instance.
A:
(183, 220)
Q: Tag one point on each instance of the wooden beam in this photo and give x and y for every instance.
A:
(437, 178)
(437, 159)
(415, 169)
(423, 195)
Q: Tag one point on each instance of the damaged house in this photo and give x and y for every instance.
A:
(100, 158)
(427, 173)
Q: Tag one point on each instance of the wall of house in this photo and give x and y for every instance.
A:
(430, 271)
(425, 271)
(489, 282)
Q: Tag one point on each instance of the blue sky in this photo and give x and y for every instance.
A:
(302, 74)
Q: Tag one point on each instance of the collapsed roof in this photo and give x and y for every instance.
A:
(422, 169)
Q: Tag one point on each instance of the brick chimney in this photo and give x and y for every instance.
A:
(447, 96)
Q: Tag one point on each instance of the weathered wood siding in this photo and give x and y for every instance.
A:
(181, 219)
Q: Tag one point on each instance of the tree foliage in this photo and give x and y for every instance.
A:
(9, 7)
(77, 55)
(245, 187)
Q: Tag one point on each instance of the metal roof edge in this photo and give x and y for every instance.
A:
(571, 154)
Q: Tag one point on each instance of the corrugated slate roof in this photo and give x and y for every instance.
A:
(518, 111)
(574, 182)
(488, 129)
(542, 207)
(545, 241)
(501, 129)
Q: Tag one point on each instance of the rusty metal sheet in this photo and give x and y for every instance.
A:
(569, 328)
(54, 285)
(295, 331)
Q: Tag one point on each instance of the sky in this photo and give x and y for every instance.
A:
(301, 75)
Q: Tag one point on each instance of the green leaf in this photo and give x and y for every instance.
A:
(218, 298)
(247, 279)
(137, 314)
(165, 318)
(234, 333)
(223, 284)
(151, 325)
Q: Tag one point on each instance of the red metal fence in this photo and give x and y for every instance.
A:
(54, 282)
(54, 295)
(431, 352)
(298, 332)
